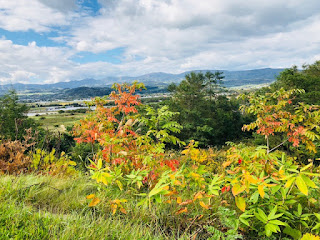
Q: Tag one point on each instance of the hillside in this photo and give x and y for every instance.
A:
(232, 79)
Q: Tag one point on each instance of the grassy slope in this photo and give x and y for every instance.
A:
(45, 207)
(54, 121)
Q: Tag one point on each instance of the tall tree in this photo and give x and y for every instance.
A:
(308, 79)
(213, 80)
(13, 117)
(205, 117)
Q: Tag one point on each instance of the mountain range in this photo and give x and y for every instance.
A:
(232, 79)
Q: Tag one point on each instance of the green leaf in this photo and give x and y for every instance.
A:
(299, 209)
(254, 197)
(316, 227)
(270, 228)
(244, 221)
(308, 181)
(306, 167)
(317, 215)
(260, 215)
(277, 222)
(294, 233)
(272, 213)
(302, 186)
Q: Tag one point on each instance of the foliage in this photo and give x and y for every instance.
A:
(13, 159)
(242, 191)
(309, 236)
(115, 130)
(160, 125)
(267, 186)
(206, 117)
(229, 220)
(46, 162)
(308, 79)
(298, 124)
(13, 119)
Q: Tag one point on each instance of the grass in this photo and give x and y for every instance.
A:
(46, 207)
(58, 121)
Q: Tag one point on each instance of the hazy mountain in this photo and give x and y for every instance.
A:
(232, 79)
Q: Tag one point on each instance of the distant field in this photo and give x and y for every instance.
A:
(59, 121)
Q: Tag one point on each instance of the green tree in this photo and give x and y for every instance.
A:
(13, 117)
(308, 79)
(213, 81)
(205, 116)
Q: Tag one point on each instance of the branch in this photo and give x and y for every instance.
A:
(278, 146)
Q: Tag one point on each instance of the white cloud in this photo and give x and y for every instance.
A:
(181, 32)
(24, 15)
(32, 63)
(160, 35)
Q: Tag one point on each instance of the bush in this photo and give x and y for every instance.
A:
(13, 159)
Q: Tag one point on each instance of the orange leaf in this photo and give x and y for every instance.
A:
(94, 202)
(197, 196)
(123, 210)
(179, 200)
(186, 202)
(182, 210)
(202, 204)
(226, 164)
(200, 216)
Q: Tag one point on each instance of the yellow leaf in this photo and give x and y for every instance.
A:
(177, 182)
(302, 185)
(261, 191)
(94, 202)
(72, 163)
(182, 210)
(166, 188)
(114, 208)
(197, 196)
(202, 204)
(289, 182)
(185, 152)
(104, 180)
(251, 180)
(90, 196)
(241, 204)
(179, 200)
(236, 189)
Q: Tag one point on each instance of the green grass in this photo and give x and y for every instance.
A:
(46, 207)
(58, 121)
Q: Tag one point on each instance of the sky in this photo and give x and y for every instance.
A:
(48, 41)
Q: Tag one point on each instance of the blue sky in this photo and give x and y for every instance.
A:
(43, 41)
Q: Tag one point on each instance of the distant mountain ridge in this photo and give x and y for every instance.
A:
(232, 79)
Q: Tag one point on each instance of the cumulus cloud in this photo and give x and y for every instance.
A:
(180, 31)
(159, 35)
(39, 16)
(32, 63)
